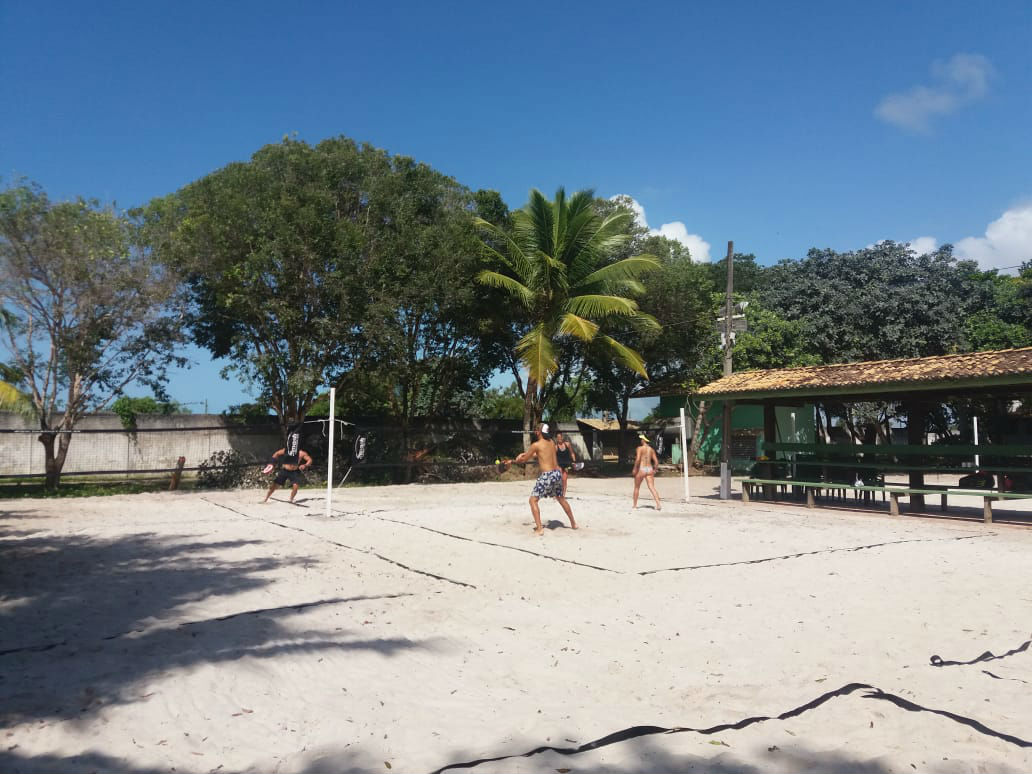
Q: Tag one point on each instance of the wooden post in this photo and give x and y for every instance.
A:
(894, 503)
(177, 474)
(987, 510)
(809, 498)
(745, 491)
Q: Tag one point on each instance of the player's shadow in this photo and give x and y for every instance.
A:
(89, 622)
(556, 524)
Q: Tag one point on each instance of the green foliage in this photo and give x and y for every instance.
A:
(680, 296)
(748, 275)
(231, 469)
(1004, 322)
(332, 264)
(85, 310)
(559, 264)
(883, 301)
(128, 408)
(771, 342)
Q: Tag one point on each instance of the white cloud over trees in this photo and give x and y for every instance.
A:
(959, 81)
(676, 230)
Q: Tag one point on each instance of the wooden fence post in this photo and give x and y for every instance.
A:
(177, 474)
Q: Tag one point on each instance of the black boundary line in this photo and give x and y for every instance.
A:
(997, 677)
(937, 661)
(260, 611)
(499, 545)
(678, 569)
(341, 545)
(814, 553)
(638, 731)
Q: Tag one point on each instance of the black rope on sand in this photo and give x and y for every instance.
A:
(937, 661)
(342, 545)
(499, 545)
(813, 553)
(638, 731)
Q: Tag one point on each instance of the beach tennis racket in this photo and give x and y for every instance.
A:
(577, 466)
(268, 468)
(503, 465)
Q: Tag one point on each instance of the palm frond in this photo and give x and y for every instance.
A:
(541, 216)
(600, 239)
(599, 306)
(572, 325)
(624, 355)
(537, 353)
(13, 399)
(517, 258)
(627, 269)
(514, 288)
(646, 323)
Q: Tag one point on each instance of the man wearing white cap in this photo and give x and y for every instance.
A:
(645, 464)
(550, 481)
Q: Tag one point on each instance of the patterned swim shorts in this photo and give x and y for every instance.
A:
(548, 484)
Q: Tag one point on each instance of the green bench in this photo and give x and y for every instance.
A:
(894, 493)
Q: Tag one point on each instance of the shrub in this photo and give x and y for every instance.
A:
(231, 469)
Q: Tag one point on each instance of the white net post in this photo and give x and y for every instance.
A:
(684, 452)
(329, 461)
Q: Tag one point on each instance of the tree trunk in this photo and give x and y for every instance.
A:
(701, 426)
(530, 418)
(55, 450)
(622, 419)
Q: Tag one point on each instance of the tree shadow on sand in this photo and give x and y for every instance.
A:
(86, 622)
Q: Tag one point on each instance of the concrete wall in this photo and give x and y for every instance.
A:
(158, 444)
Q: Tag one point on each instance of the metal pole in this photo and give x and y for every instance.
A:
(329, 463)
(725, 444)
(684, 453)
(975, 421)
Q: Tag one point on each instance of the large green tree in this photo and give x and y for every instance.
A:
(883, 301)
(85, 311)
(555, 264)
(679, 295)
(333, 264)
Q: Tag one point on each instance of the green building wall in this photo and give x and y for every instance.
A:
(795, 425)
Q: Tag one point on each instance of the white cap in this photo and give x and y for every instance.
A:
(544, 428)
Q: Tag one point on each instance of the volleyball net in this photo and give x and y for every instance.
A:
(217, 452)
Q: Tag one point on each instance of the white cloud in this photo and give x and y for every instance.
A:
(698, 247)
(923, 245)
(959, 81)
(1007, 241)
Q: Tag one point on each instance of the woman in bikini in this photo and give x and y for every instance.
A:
(645, 464)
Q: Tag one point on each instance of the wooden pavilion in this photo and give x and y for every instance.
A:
(917, 385)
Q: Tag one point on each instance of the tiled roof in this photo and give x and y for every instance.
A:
(894, 375)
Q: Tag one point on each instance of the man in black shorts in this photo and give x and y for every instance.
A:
(292, 460)
(565, 456)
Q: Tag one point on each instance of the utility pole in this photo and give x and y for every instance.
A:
(725, 445)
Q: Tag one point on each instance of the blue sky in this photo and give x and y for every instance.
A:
(782, 126)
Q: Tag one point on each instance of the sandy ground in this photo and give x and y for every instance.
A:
(423, 626)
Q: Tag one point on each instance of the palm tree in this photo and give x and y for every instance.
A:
(11, 398)
(555, 263)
